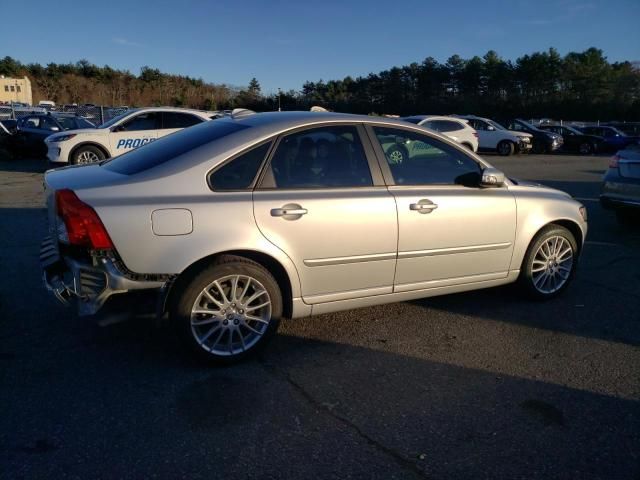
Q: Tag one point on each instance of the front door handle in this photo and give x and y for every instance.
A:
(292, 211)
(423, 206)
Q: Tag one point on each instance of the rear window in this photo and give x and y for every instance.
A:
(166, 148)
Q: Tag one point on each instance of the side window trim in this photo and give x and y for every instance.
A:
(267, 182)
(257, 178)
(382, 160)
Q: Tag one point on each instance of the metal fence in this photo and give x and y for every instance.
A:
(96, 114)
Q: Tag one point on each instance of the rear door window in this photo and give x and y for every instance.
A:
(322, 157)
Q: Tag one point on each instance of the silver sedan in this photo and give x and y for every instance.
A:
(234, 224)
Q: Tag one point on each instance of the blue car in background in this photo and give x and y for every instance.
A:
(612, 138)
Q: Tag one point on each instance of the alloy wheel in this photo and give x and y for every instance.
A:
(552, 264)
(230, 315)
(87, 156)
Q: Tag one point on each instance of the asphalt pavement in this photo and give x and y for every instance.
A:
(483, 384)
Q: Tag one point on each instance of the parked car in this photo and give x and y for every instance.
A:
(628, 128)
(621, 185)
(574, 140)
(455, 128)
(236, 223)
(32, 130)
(542, 141)
(125, 132)
(494, 137)
(612, 138)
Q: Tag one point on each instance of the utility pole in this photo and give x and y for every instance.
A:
(279, 93)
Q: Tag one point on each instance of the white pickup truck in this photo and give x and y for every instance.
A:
(494, 137)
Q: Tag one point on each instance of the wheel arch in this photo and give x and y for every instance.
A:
(88, 143)
(569, 224)
(273, 265)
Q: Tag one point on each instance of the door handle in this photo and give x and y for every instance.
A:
(286, 210)
(423, 206)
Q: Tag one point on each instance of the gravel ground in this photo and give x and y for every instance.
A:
(475, 385)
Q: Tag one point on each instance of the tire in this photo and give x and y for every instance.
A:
(585, 148)
(559, 269)
(87, 154)
(396, 155)
(506, 148)
(213, 325)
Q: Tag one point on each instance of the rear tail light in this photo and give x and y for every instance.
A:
(83, 225)
(613, 161)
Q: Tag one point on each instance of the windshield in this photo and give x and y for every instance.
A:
(618, 132)
(496, 125)
(572, 129)
(109, 123)
(529, 126)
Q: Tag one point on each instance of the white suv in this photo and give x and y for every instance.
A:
(495, 138)
(125, 132)
(457, 129)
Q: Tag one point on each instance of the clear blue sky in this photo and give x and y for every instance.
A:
(284, 43)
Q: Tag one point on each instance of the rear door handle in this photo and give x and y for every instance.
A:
(423, 206)
(288, 210)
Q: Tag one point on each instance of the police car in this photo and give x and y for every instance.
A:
(125, 132)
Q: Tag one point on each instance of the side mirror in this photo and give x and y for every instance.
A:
(492, 177)
(490, 128)
(118, 128)
(54, 129)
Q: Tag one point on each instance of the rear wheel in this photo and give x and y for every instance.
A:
(506, 148)
(550, 262)
(228, 311)
(87, 154)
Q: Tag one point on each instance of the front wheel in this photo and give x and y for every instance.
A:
(506, 148)
(228, 311)
(87, 154)
(550, 262)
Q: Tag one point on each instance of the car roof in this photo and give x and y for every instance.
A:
(171, 109)
(279, 121)
(435, 117)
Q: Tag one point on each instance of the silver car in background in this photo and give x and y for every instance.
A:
(621, 185)
(234, 224)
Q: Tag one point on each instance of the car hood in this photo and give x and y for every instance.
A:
(526, 184)
(520, 134)
(82, 131)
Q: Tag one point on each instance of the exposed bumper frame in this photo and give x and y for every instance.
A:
(87, 285)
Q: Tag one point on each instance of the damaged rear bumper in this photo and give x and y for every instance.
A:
(88, 284)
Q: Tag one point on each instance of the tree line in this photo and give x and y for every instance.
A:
(579, 85)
